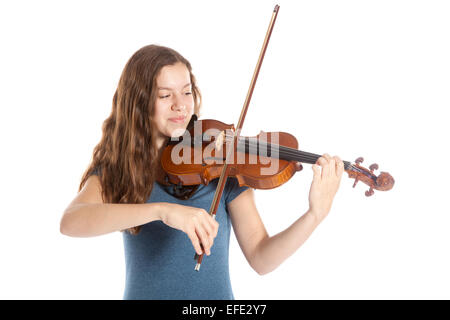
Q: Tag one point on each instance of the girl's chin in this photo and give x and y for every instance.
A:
(177, 132)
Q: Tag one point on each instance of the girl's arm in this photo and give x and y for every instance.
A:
(88, 216)
(266, 253)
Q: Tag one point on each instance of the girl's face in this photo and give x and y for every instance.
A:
(174, 104)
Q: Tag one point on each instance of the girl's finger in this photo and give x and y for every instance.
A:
(316, 172)
(215, 227)
(324, 164)
(195, 241)
(332, 167)
(201, 233)
(339, 166)
(210, 230)
(207, 226)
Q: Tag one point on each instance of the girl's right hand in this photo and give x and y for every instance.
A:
(200, 227)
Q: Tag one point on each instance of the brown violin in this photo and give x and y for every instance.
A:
(262, 162)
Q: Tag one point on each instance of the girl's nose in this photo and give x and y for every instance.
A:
(178, 107)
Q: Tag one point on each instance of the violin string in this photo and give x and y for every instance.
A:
(285, 150)
(295, 154)
(281, 152)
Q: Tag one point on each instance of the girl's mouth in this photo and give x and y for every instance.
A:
(177, 119)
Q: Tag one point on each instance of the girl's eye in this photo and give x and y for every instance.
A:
(188, 93)
(166, 96)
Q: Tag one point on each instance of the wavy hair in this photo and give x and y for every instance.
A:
(126, 156)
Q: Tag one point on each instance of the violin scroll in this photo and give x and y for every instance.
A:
(383, 182)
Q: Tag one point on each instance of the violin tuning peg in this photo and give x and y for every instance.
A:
(369, 192)
(356, 181)
(359, 160)
(373, 167)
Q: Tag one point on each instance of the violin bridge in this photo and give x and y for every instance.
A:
(219, 140)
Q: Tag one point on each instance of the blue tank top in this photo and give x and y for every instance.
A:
(160, 261)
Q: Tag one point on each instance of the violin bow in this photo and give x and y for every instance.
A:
(225, 169)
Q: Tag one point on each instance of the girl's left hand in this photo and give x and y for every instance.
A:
(325, 185)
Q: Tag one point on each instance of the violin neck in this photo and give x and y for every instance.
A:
(254, 146)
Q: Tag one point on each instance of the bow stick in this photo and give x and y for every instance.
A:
(225, 169)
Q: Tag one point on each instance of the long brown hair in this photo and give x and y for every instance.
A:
(126, 156)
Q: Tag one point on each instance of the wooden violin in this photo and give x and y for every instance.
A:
(263, 162)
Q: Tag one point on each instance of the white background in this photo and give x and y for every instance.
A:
(351, 78)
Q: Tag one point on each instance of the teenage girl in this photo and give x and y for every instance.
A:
(123, 189)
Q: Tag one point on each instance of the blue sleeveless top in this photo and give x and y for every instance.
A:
(160, 260)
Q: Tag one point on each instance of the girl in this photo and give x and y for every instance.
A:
(123, 189)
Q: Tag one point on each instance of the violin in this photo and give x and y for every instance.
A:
(263, 162)
(210, 149)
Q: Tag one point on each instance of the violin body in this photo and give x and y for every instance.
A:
(247, 167)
